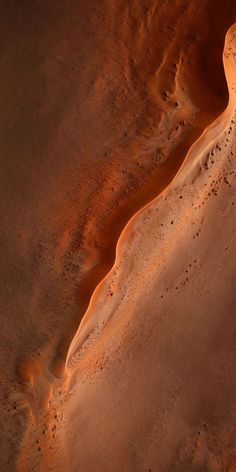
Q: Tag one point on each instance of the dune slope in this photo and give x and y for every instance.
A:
(149, 383)
(130, 122)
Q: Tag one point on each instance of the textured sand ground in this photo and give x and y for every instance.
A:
(102, 103)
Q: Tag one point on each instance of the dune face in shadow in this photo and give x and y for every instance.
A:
(156, 363)
(115, 109)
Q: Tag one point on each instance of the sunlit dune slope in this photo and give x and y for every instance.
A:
(107, 106)
(150, 373)
(149, 380)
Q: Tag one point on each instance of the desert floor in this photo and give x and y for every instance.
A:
(118, 236)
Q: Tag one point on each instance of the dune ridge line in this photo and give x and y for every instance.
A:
(192, 159)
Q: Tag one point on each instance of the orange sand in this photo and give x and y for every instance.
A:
(118, 196)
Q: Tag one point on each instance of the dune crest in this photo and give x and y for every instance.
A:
(148, 322)
(195, 161)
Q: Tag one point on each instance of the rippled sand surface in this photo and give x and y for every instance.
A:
(118, 246)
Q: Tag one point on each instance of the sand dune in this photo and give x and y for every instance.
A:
(118, 231)
(167, 339)
(199, 158)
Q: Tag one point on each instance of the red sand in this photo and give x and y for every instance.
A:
(109, 110)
